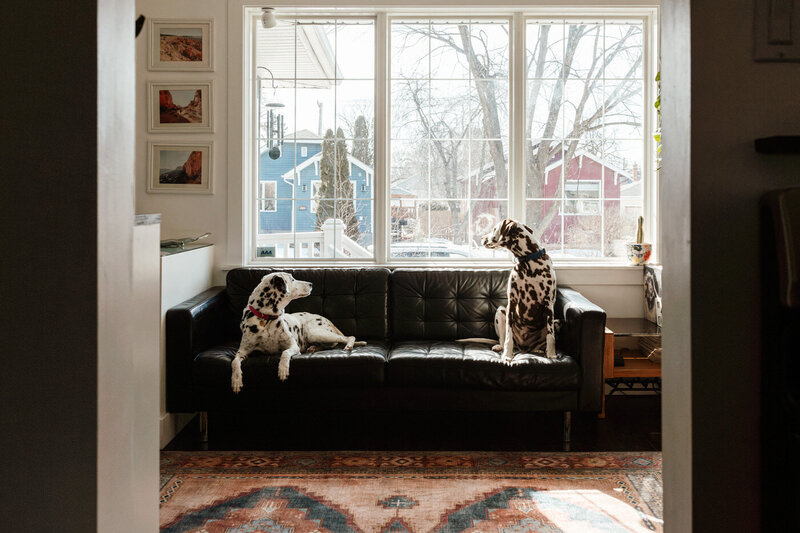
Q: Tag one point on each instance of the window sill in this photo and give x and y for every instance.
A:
(579, 275)
(560, 265)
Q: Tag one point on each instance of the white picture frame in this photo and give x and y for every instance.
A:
(168, 171)
(186, 45)
(183, 116)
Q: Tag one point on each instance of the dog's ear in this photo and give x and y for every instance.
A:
(279, 283)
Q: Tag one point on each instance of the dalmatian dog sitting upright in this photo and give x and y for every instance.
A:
(527, 322)
(267, 328)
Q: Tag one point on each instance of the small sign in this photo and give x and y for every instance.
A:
(265, 251)
(301, 208)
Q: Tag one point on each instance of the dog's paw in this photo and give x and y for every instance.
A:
(236, 381)
(350, 342)
(283, 371)
(551, 347)
(497, 348)
(507, 356)
(312, 349)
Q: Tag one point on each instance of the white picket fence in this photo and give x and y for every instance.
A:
(330, 241)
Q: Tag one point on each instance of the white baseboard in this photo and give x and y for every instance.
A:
(171, 425)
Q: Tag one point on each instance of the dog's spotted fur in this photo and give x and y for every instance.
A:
(278, 332)
(527, 323)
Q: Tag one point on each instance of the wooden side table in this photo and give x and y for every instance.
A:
(636, 364)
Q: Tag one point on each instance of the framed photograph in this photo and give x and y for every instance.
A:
(181, 168)
(181, 45)
(180, 107)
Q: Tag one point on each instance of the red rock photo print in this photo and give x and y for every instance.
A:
(181, 44)
(188, 172)
(180, 106)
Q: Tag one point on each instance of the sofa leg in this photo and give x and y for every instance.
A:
(203, 426)
(567, 429)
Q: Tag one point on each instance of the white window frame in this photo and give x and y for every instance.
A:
(245, 14)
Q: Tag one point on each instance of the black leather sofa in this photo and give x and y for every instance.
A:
(410, 318)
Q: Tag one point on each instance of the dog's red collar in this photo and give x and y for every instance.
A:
(261, 315)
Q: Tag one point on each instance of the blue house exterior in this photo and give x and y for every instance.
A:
(299, 161)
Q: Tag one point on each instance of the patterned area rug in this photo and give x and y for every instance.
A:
(403, 492)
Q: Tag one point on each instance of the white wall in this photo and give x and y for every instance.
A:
(186, 214)
(124, 458)
(146, 289)
(617, 289)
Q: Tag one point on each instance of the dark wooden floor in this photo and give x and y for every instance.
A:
(632, 423)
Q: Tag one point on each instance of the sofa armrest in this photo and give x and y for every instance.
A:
(582, 336)
(191, 327)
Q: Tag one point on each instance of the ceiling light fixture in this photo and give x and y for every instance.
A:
(268, 19)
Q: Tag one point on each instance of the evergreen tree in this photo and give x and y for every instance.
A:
(335, 194)
(327, 187)
(361, 146)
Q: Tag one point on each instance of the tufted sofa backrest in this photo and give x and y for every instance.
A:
(354, 299)
(445, 304)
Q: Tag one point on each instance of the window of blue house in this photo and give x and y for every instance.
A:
(267, 196)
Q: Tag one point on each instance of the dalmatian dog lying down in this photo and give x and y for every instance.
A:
(267, 328)
(527, 322)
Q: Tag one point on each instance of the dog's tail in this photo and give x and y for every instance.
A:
(479, 340)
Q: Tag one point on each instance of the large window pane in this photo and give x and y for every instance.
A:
(584, 133)
(449, 136)
(315, 139)
(450, 173)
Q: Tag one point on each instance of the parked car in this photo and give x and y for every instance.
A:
(429, 248)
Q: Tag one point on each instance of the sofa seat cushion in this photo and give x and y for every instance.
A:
(476, 366)
(335, 368)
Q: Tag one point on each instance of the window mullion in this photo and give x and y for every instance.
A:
(382, 180)
(516, 185)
